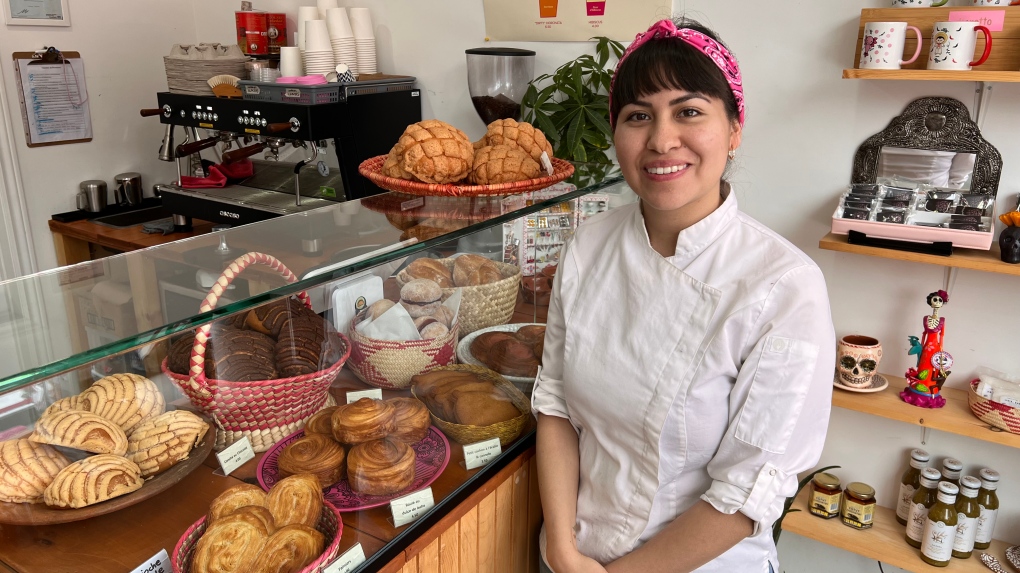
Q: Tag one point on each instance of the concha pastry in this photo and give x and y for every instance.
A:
(321, 422)
(124, 399)
(270, 318)
(92, 480)
(238, 496)
(503, 164)
(411, 418)
(26, 468)
(435, 152)
(81, 431)
(242, 356)
(69, 403)
(380, 467)
(228, 547)
(299, 349)
(159, 443)
(361, 421)
(519, 134)
(394, 164)
(296, 499)
(290, 550)
(314, 454)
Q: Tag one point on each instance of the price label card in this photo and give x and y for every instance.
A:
(375, 394)
(236, 455)
(412, 204)
(410, 507)
(478, 454)
(994, 20)
(158, 563)
(347, 562)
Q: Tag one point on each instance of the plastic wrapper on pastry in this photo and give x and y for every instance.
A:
(856, 213)
(891, 215)
(891, 193)
(940, 201)
(869, 189)
(975, 204)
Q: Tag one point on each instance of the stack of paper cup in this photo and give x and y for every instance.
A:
(318, 56)
(342, 38)
(323, 6)
(364, 40)
(304, 14)
(290, 61)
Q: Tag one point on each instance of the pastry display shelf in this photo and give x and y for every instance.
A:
(954, 418)
(977, 260)
(932, 75)
(883, 541)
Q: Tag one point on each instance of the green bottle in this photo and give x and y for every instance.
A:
(951, 470)
(909, 483)
(988, 501)
(967, 513)
(940, 527)
(924, 499)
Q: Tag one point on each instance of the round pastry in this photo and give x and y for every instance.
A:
(124, 399)
(434, 330)
(290, 549)
(465, 268)
(421, 297)
(92, 480)
(299, 350)
(530, 334)
(69, 403)
(363, 420)
(234, 498)
(296, 499)
(242, 356)
(435, 152)
(158, 443)
(503, 164)
(26, 469)
(81, 431)
(321, 422)
(431, 269)
(424, 321)
(314, 454)
(411, 418)
(377, 308)
(550, 271)
(178, 359)
(444, 315)
(394, 164)
(522, 135)
(481, 346)
(380, 467)
(231, 546)
(257, 515)
(270, 318)
(514, 358)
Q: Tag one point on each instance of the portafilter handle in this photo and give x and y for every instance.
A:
(186, 149)
(244, 152)
(278, 127)
(150, 112)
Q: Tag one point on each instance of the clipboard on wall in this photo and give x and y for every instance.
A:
(53, 97)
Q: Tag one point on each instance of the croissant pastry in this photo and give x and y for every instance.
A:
(321, 422)
(230, 546)
(257, 515)
(290, 550)
(82, 431)
(26, 468)
(234, 498)
(362, 421)
(296, 499)
(158, 443)
(380, 467)
(124, 399)
(92, 480)
(411, 418)
(314, 454)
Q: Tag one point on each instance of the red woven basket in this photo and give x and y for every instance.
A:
(372, 169)
(999, 415)
(391, 364)
(264, 411)
(330, 524)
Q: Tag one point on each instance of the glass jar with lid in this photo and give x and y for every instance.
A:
(951, 470)
(859, 505)
(967, 513)
(826, 496)
(924, 498)
(940, 528)
(909, 483)
(988, 501)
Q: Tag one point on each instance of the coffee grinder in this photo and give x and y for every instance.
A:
(497, 81)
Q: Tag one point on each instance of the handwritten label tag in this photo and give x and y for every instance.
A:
(478, 454)
(991, 19)
(347, 562)
(158, 563)
(375, 394)
(410, 507)
(236, 455)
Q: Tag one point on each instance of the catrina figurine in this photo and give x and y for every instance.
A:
(925, 381)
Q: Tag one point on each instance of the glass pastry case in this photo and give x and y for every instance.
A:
(335, 381)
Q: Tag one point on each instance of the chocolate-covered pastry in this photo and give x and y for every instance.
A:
(299, 348)
(243, 356)
(482, 345)
(513, 358)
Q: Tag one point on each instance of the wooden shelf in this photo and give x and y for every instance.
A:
(973, 259)
(975, 75)
(955, 417)
(883, 541)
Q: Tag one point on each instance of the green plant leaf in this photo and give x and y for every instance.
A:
(600, 121)
(574, 131)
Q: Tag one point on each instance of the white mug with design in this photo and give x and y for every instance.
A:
(917, 3)
(953, 43)
(882, 48)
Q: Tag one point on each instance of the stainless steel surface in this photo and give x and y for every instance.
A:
(129, 188)
(166, 149)
(132, 218)
(263, 200)
(95, 194)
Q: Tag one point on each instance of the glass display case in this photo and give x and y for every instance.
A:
(131, 384)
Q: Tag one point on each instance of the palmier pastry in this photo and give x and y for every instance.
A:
(361, 421)
(69, 403)
(124, 399)
(290, 550)
(314, 454)
(411, 418)
(228, 547)
(513, 358)
(421, 297)
(235, 497)
(81, 431)
(431, 269)
(243, 356)
(296, 499)
(92, 480)
(380, 467)
(257, 515)
(26, 468)
(158, 443)
(321, 422)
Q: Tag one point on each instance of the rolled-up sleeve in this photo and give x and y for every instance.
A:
(547, 395)
(781, 400)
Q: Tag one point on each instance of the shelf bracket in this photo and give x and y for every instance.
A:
(924, 434)
(949, 279)
(982, 97)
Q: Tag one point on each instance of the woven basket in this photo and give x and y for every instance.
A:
(506, 431)
(481, 306)
(330, 525)
(391, 363)
(998, 415)
(372, 169)
(264, 411)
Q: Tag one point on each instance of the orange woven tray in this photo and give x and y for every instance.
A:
(372, 169)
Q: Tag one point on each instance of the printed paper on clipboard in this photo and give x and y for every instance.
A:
(54, 101)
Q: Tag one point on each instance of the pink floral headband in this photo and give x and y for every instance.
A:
(711, 48)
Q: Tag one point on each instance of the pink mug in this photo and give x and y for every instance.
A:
(883, 45)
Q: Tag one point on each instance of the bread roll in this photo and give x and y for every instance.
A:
(238, 496)
(377, 308)
(321, 422)
(434, 330)
(296, 499)
(421, 297)
(435, 152)
(380, 467)
(465, 268)
(81, 431)
(289, 550)
(520, 134)
(431, 269)
(157, 444)
(124, 399)
(495, 164)
(26, 469)
(363, 420)
(228, 547)
(411, 418)
(314, 454)
(487, 273)
(444, 315)
(92, 480)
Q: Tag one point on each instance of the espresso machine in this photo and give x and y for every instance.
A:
(366, 121)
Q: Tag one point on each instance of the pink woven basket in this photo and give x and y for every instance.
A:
(330, 525)
(264, 411)
(391, 364)
(999, 415)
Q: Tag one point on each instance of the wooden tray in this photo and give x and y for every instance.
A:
(372, 169)
(42, 514)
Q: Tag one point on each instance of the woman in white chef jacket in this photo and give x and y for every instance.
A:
(689, 349)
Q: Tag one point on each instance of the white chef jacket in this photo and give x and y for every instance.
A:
(705, 375)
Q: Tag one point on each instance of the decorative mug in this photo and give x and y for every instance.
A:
(953, 43)
(917, 3)
(996, 2)
(883, 45)
(857, 359)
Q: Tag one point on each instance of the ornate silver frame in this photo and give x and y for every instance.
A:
(939, 124)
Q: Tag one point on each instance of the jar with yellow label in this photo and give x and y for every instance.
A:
(859, 505)
(826, 496)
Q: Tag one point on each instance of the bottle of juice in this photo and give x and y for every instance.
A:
(967, 513)
(940, 528)
(988, 501)
(924, 499)
(909, 483)
(951, 470)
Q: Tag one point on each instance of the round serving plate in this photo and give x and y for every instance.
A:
(432, 454)
(523, 383)
(41, 514)
(878, 383)
(372, 169)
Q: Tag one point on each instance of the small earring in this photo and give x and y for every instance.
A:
(732, 153)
